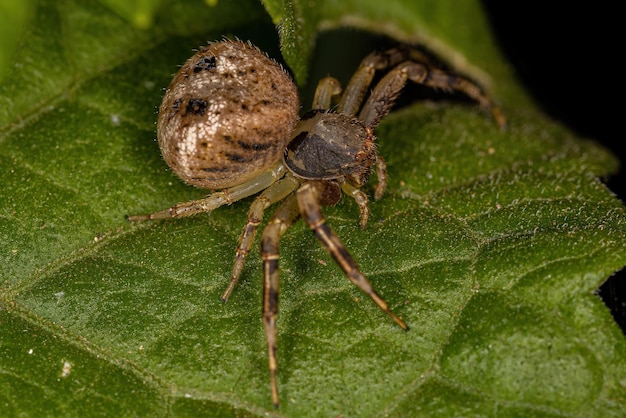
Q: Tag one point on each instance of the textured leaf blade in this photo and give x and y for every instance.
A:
(488, 244)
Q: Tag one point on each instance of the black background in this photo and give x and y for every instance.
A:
(567, 57)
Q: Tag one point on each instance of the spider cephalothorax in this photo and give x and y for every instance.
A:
(229, 121)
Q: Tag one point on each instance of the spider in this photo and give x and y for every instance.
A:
(229, 121)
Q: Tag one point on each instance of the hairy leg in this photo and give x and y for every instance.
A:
(358, 85)
(410, 64)
(386, 91)
(283, 218)
(312, 214)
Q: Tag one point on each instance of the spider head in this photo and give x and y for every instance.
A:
(328, 146)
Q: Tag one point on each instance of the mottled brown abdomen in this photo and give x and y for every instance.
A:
(226, 116)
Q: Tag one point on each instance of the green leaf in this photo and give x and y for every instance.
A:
(13, 18)
(140, 12)
(489, 244)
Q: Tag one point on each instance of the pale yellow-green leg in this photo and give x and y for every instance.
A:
(361, 200)
(327, 88)
(217, 199)
(276, 192)
(381, 174)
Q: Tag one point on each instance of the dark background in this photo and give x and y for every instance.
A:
(567, 57)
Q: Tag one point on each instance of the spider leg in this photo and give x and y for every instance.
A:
(327, 88)
(271, 195)
(312, 214)
(410, 64)
(381, 174)
(215, 200)
(285, 216)
(361, 200)
(359, 83)
(386, 91)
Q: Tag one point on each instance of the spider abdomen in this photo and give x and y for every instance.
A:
(330, 146)
(226, 116)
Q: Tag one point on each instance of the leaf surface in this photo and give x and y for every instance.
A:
(489, 243)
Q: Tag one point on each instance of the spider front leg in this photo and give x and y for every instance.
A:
(409, 64)
(354, 93)
(215, 200)
(312, 215)
(284, 217)
(386, 91)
